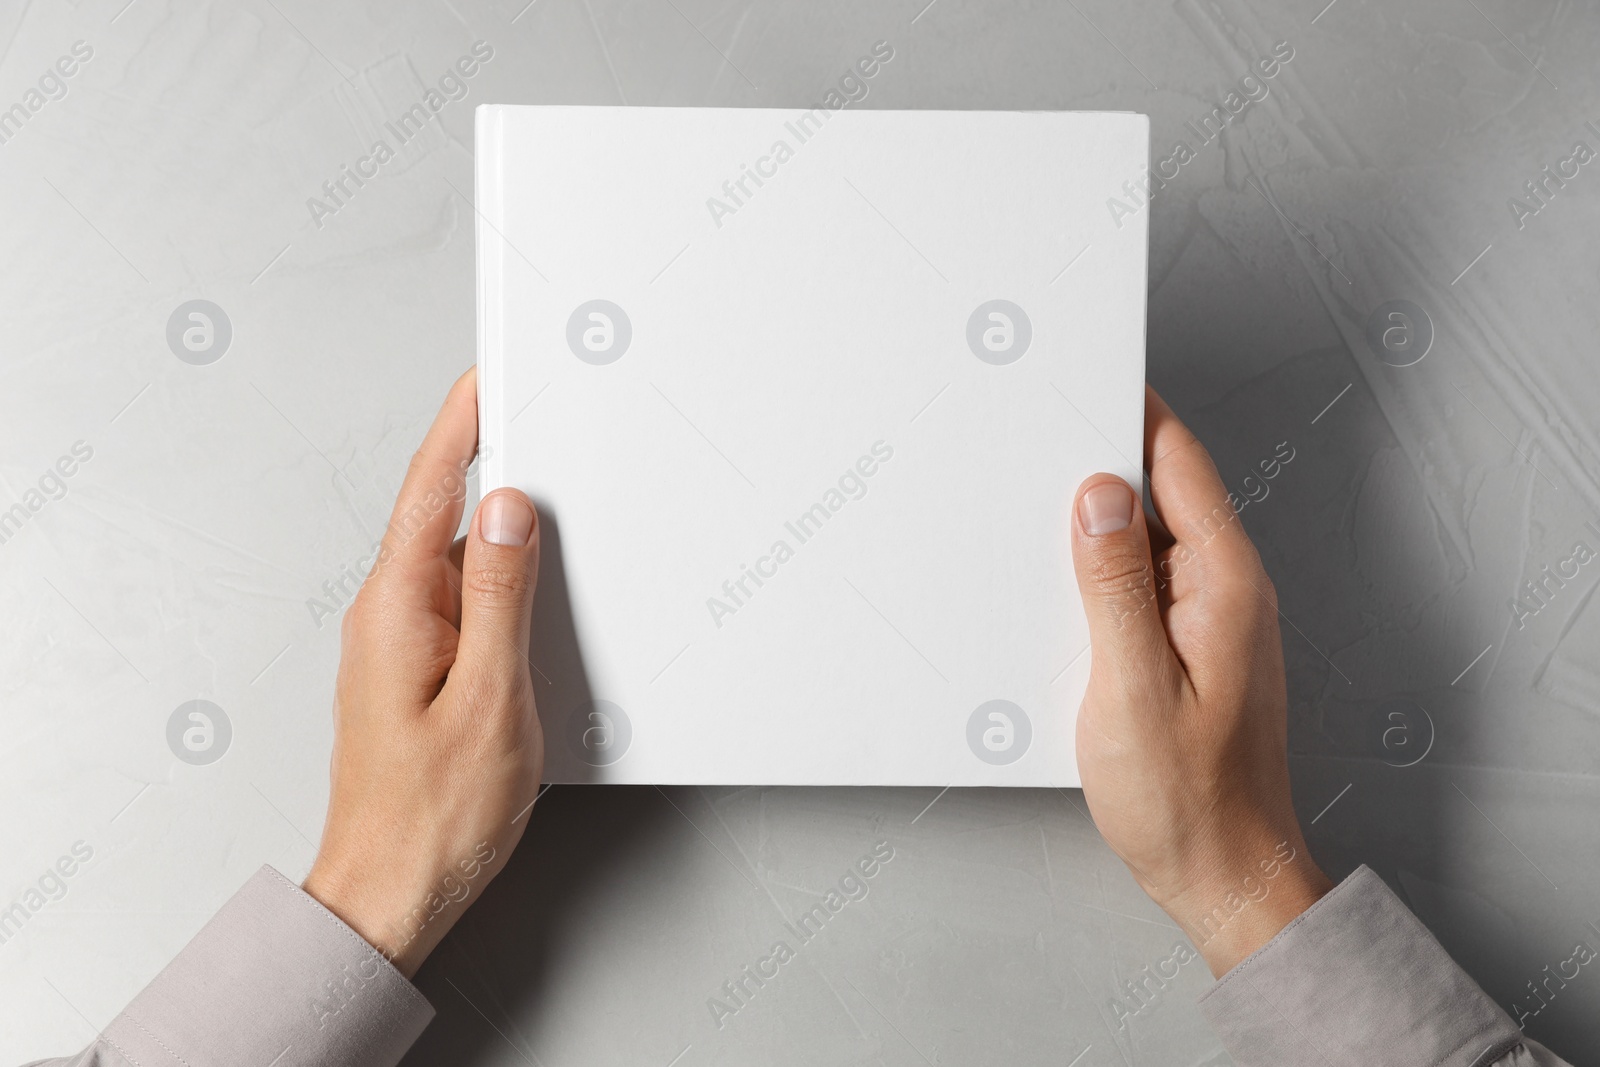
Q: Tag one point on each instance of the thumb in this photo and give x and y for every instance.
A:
(1111, 554)
(498, 574)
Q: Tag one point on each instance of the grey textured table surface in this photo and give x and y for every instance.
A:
(1440, 733)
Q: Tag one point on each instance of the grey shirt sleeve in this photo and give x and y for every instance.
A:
(1357, 979)
(274, 978)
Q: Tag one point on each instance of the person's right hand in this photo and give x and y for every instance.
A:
(1182, 737)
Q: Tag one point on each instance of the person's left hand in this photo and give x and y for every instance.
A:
(437, 747)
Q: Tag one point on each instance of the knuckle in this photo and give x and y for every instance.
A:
(1115, 572)
(1269, 595)
(497, 582)
(1121, 581)
(1248, 598)
(418, 465)
(1222, 521)
(357, 618)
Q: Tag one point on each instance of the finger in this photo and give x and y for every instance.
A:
(498, 576)
(1111, 555)
(1190, 500)
(428, 509)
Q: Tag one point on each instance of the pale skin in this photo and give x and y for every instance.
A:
(1183, 735)
(437, 745)
(1181, 739)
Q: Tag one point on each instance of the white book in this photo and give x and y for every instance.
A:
(803, 399)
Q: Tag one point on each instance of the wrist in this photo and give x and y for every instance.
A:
(401, 914)
(370, 916)
(1239, 908)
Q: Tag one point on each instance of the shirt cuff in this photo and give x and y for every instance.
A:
(273, 974)
(1356, 978)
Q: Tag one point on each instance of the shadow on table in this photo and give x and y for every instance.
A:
(488, 977)
(492, 976)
